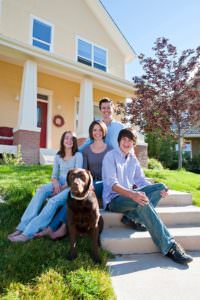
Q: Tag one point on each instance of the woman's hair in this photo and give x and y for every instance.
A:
(61, 151)
(127, 132)
(102, 126)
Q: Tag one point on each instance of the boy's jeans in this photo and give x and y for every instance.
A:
(146, 215)
(31, 222)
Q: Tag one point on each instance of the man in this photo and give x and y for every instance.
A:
(107, 108)
(121, 172)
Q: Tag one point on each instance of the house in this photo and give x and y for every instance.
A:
(192, 137)
(57, 59)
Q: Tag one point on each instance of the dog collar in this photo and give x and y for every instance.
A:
(79, 198)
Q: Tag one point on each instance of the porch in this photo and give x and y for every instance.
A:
(43, 95)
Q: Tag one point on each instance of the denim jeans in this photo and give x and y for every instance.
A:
(59, 218)
(34, 220)
(98, 187)
(146, 215)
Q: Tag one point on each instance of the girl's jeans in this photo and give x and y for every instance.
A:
(33, 220)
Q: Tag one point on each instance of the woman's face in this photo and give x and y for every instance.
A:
(68, 140)
(97, 133)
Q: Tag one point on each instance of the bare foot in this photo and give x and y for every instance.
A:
(19, 238)
(17, 232)
(61, 232)
(45, 232)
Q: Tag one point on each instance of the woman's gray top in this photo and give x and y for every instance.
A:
(93, 161)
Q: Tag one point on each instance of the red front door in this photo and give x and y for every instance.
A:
(42, 122)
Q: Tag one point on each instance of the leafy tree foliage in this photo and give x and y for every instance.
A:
(167, 97)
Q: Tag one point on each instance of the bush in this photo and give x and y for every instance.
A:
(10, 159)
(194, 164)
(154, 164)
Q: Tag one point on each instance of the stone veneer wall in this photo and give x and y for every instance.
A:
(30, 145)
(142, 154)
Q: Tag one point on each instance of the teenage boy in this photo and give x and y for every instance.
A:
(121, 172)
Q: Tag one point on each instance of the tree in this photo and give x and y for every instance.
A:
(167, 98)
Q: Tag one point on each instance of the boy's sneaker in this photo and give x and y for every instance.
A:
(178, 254)
(134, 225)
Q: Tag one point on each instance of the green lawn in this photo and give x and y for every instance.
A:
(179, 181)
(39, 269)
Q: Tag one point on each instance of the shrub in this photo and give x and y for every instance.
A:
(154, 164)
(10, 159)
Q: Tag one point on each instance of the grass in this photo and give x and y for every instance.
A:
(178, 180)
(39, 269)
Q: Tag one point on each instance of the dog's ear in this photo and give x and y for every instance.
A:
(90, 183)
(68, 176)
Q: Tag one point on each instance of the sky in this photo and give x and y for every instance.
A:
(143, 21)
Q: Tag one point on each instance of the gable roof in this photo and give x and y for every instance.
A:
(112, 29)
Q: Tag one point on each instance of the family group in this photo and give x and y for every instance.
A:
(118, 181)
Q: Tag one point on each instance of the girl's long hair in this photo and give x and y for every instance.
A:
(61, 151)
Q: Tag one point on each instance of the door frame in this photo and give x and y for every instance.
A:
(49, 94)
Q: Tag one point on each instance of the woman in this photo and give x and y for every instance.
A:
(92, 160)
(32, 221)
(93, 154)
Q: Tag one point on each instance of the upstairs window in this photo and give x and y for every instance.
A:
(41, 34)
(92, 55)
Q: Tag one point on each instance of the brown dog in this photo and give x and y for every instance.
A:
(83, 215)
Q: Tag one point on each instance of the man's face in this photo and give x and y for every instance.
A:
(126, 145)
(106, 110)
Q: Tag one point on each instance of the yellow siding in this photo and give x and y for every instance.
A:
(10, 85)
(70, 18)
(63, 102)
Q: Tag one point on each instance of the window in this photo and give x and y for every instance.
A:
(92, 55)
(96, 111)
(41, 34)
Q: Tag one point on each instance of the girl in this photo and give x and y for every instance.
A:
(32, 221)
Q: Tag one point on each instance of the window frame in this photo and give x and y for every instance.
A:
(92, 61)
(51, 45)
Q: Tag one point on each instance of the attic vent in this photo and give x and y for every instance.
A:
(42, 97)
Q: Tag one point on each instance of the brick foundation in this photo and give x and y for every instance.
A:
(30, 145)
(142, 155)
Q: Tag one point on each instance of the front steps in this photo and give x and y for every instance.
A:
(176, 211)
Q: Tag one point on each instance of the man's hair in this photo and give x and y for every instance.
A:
(105, 100)
(102, 126)
(127, 132)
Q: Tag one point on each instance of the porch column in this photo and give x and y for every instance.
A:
(27, 134)
(85, 114)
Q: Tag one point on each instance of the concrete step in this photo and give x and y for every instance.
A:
(176, 198)
(176, 215)
(47, 156)
(126, 241)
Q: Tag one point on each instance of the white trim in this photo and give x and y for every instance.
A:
(78, 37)
(33, 17)
(12, 149)
(76, 100)
(111, 29)
(1, 12)
(121, 86)
(49, 94)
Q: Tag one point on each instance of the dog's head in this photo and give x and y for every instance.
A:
(80, 181)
